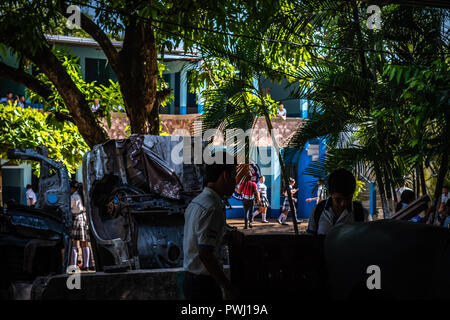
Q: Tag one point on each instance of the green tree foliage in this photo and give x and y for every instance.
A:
(110, 97)
(28, 128)
(427, 116)
(148, 28)
(237, 65)
(368, 117)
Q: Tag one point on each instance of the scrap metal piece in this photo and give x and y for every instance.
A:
(52, 209)
(413, 209)
(136, 195)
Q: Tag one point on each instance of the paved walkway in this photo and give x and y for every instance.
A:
(273, 227)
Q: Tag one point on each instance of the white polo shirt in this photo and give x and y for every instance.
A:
(282, 113)
(445, 197)
(319, 194)
(204, 227)
(328, 219)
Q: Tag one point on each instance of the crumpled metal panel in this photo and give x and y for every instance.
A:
(148, 156)
(136, 196)
(29, 222)
(54, 188)
(50, 219)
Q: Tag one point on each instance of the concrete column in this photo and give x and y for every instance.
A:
(275, 184)
(373, 198)
(305, 184)
(183, 91)
(27, 173)
(172, 86)
(201, 98)
(304, 108)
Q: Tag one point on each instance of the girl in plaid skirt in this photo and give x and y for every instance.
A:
(286, 208)
(79, 227)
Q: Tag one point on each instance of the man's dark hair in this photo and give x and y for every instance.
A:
(407, 196)
(341, 181)
(28, 186)
(8, 93)
(214, 170)
(74, 184)
(445, 187)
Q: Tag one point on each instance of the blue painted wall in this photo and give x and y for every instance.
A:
(307, 184)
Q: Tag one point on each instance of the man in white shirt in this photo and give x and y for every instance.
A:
(320, 194)
(30, 196)
(7, 99)
(282, 112)
(204, 229)
(96, 105)
(339, 208)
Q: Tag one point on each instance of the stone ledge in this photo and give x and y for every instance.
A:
(150, 284)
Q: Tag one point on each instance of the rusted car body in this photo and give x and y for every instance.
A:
(136, 194)
(35, 241)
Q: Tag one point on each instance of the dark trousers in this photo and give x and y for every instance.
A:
(248, 210)
(200, 287)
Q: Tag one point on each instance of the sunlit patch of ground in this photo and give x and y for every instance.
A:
(272, 227)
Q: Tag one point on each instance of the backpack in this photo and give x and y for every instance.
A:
(357, 207)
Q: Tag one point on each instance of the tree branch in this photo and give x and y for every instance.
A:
(62, 117)
(162, 95)
(98, 35)
(20, 76)
(88, 125)
(103, 40)
(26, 79)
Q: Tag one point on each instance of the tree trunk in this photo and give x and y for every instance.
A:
(1, 186)
(422, 180)
(87, 124)
(364, 69)
(136, 69)
(381, 190)
(280, 158)
(417, 181)
(392, 188)
(387, 184)
(440, 181)
(42, 56)
(138, 77)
